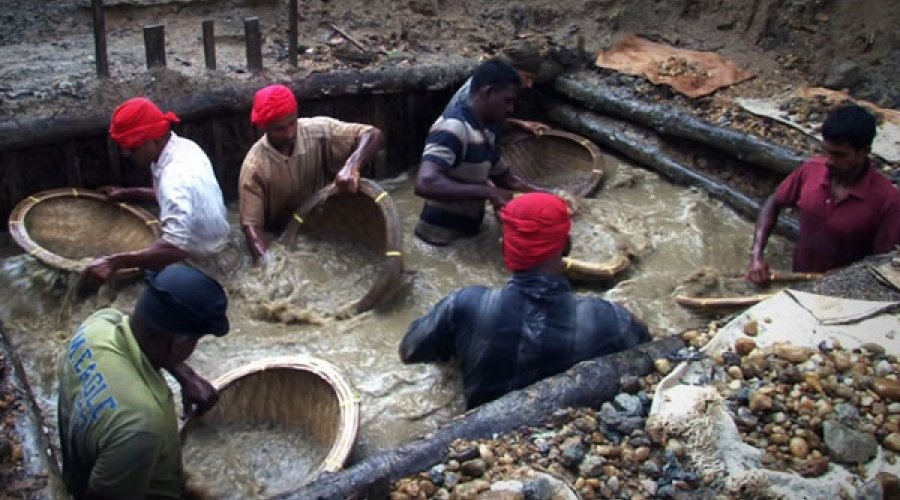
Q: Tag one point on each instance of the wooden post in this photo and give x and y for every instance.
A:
(209, 43)
(155, 45)
(292, 32)
(253, 38)
(100, 38)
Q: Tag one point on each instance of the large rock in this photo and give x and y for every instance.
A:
(843, 73)
(846, 445)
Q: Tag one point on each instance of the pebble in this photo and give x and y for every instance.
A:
(892, 441)
(630, 384)
(509, 485)
(792, 353)
(663, 366)
(846, 445)
(799, 448)
(473, 468)
(760, 402)
(735, 372)
(887, 388)
(873, 348)
(751, 328)
(484, 451)
(883, 368)
(675, 447)
(894, 408)
(744, 346)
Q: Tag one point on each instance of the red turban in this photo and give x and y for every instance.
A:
(272, 103)
(137, 121)
(535, 227)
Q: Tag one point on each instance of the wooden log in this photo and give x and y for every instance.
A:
(647, 149)
(253, 40)
(23, 131)
(209, 43)
(667, 120)
(155, 45)
(292, 32)
(588, 383)
(100, 55)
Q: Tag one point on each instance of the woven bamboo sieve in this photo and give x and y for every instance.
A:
(366, 218)
(301, 392)
(710, 303)
(555, 160)
(68, 228)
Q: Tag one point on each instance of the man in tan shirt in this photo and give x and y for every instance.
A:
(295, 158)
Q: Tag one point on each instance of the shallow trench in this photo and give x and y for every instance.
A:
(673, 230)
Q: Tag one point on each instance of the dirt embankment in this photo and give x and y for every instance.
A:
(47, 53)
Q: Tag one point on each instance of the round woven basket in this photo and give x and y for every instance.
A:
(778, 281)
(366, 218)
(300, 392)
(69, 228)
(555, 159)
(583, 271)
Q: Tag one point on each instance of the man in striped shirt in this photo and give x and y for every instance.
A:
(461, 165)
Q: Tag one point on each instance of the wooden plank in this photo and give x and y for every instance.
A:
(218, 138)
(100, 55)
(253, 39)
(209, 43)
(155, 45)
(292, 32)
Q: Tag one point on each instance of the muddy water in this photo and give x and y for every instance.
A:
(234, 461)
(673, 231)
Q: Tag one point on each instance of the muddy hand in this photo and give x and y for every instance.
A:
(759, 272)
(197, 396)
(112, 193)
(347, 180)
(99, 272)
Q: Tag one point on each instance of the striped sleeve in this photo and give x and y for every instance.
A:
(445, 145)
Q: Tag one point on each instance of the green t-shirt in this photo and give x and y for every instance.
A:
(117, 423)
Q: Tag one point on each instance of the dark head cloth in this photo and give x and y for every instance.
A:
(181, 299)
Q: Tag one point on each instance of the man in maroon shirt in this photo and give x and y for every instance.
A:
(848, 209)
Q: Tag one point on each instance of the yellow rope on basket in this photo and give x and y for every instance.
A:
(152, 221)
(586, 143)
(35, 199)
(597, 171)
(75, 192)
(381, 196)
(393, 253)
(568, 264)
(35, 251)
(298, 218)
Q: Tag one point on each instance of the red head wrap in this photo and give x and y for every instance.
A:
(272, 103)
(137, 121)
(535, 227)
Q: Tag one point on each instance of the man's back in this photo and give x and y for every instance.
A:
(507, 338)
(118, 430)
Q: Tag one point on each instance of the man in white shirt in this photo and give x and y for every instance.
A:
(193, 218)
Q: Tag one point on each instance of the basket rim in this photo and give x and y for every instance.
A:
(388, 280)
(598, 172)
(20, 234)
(348, 400)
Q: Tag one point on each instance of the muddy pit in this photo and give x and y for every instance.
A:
(672, 230)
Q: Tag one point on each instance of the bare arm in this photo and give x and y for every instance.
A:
(156, 256)
(433, 183)
(759, 269)
(197, 394)
(370, 144)
(256, 239)
(114, 193)
(536, 128)
(513, 182)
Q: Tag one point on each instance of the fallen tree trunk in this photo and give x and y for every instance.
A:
(586, 384)
(667, 120)
(17, 133)
(647, 149)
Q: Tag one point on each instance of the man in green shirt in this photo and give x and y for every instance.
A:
(117, 424)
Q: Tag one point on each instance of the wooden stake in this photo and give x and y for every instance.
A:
(100, 38)
(209, 43)
(253, 39)
(292, 32)
(155, 45)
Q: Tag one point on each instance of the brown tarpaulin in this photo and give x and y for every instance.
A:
(690, 72)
